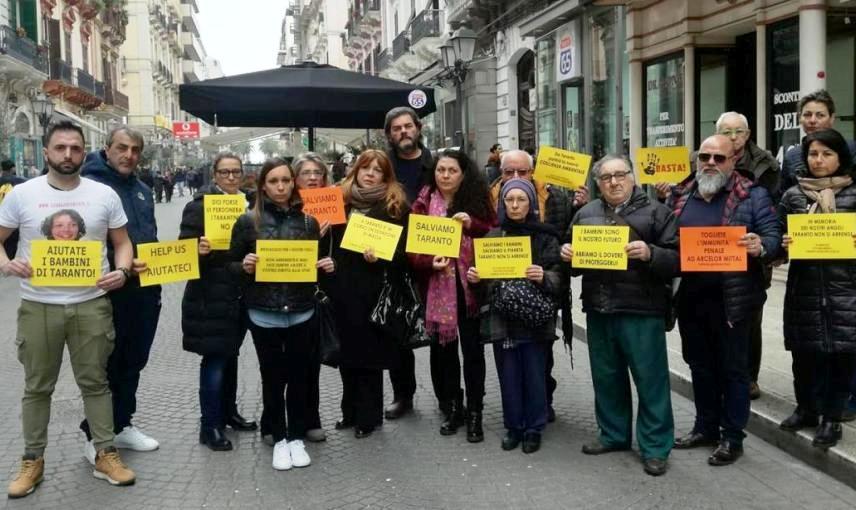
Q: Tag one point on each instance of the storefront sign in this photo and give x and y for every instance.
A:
(364, 233)
(712, 249)
(221, 212)
(65, 263)
(562, 168)
(185, 130)
(324, 204)
(286, 261)
(600, 247)
(822, 236)
(433, 235)
(664, 103)
(503, 257)
(169, 261)
(662, 164)
(783, 79)
(568, 54)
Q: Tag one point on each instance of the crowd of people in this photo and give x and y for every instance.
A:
(109, 328)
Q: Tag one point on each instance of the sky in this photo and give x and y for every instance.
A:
(242, 34)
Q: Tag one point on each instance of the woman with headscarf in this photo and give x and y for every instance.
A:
(520, 348)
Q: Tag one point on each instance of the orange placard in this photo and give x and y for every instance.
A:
(324, 204)
(712, 249)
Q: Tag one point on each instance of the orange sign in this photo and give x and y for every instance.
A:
(712, 249)
(324, 204)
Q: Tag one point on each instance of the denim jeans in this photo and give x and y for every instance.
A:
(211, 378)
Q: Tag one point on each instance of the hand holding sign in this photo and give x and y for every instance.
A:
(363, 234)
(324, 204)
(168, 262)
(434, 235)
(503, 257)
(67, 263)
(562, 168)
(821, 236)
(221, 212)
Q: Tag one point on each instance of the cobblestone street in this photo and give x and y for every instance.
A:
(406, 464)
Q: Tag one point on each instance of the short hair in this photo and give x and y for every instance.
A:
(832, 139)
(7, 165)
(818, 96)
(397, 112)
(309, 157)
(133, 134)
(226, 155)
(62, 126)
(517, 152)
(47, 224)
(495, 146)
(595, 170)
(722, 117)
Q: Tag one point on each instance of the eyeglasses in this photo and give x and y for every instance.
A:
(733, 132)
(311, 173)
(619, 176)
(717, 158)
(519, 172)
(229, 173)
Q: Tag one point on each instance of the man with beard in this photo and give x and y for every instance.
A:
(413, 164)
(51, 317)
(715, 309)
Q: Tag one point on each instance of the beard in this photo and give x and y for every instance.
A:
(710, 184)
(64, 168)
(406, 144)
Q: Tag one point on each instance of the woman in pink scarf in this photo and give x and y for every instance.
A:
(457, 190)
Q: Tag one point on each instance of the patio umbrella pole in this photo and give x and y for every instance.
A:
(311, 139)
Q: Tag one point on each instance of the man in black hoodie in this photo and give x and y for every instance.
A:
(135, 309)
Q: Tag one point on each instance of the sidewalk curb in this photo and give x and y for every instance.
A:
(835, 462)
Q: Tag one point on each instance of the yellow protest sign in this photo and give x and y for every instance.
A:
(433, 235)
(363, 232)
(286, 261)
(221, 212)
(562, 168)
(503, 257)
(822, 236)
(662, 164)
(600, 247)
(169, 261)
(65, 263)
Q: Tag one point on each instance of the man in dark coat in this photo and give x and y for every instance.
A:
(136, 309)
(715, 309)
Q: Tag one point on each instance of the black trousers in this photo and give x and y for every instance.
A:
(362, 396)
(284, 362)
(446, 366)
(822, 382)
(403, 378)
(755, 344)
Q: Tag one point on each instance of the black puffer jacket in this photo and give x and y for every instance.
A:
(644, 288)
(211, 319)
(276, 223)
(820, 301)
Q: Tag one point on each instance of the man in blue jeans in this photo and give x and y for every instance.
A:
(135, 309)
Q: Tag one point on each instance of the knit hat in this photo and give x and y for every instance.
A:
(527, 187)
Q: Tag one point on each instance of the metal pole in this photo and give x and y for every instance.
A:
(311, 139)
(459, 94)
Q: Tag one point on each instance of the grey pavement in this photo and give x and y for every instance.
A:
(406, 464)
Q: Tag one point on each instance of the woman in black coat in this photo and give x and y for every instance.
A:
(211, 318)
(371, 189)
(820, 301)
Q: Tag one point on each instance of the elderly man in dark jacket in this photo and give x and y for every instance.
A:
(715, 309)
(625, 312)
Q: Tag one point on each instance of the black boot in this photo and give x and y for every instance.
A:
(827, 435)
(475, 433)
(215, 439)
(455, 417)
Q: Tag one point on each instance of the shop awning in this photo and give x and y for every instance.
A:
(552, 17)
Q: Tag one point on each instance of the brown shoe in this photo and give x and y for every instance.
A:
(109, 466)
(29, 476)
(754, 391)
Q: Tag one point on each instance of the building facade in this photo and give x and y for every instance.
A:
(313, 30)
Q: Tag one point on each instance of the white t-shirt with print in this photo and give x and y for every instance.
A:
(30, 203)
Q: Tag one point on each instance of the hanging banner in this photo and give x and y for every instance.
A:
(324, 204)
(712, 249)
(363, 233)
(433, 235)
(169, 261)
(221, 212)
(503, 257)
(822, 236)
(562, 168)
(600, 247)
(662, 164)
(65, 263)
(286, 261)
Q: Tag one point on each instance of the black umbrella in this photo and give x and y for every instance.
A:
(304, 95)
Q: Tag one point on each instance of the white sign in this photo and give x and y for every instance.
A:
(417, 99)
(568, 52)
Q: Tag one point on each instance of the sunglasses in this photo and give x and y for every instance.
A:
(717, 158)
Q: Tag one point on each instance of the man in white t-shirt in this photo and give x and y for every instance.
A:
(62, 206)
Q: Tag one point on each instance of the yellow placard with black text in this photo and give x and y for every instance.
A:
(286, 261)
(503, 257)
(662, 164)
(169, 261)
(600, 247)
(65, 263)
(221, 212)
(562, 168)
(433, 235)
(363, 233)
(822, 236)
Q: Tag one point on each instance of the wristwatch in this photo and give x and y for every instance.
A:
(125, 271)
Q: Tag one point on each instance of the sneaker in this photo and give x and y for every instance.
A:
(281, 456)
(316, 435)
(299, 457)
(132, 438)
(89, 452)
(109, 466)
(29, 476)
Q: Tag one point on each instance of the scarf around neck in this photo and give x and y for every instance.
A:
(441, 307)
(364, 199)
(823, 190)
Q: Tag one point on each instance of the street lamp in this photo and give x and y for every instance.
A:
(43, 108)
(457, 53)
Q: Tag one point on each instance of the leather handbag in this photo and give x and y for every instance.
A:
(329, 348)
(399, 312)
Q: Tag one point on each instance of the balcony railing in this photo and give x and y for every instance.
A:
(60, 70)
(85, 81)
(21, 48)
(99, 89)
(116, 98)
(400, 45)
(426, 24)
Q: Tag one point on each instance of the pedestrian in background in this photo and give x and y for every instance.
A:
(491, 170)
